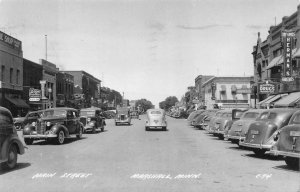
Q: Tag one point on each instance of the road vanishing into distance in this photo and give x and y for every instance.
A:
(127, 158)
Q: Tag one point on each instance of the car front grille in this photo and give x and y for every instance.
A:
(41, 128)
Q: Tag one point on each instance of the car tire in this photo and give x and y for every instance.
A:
(221, 137)
(12, 157)
(60, 137)
(164, 129)
(28, 141)
(146, 129)
(94, 130)
(79, 136)
(116, 124)
(102, 129)
(259, 152)
(292, 162)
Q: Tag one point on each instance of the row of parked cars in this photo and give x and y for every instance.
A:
(275, 130)
(53, 124)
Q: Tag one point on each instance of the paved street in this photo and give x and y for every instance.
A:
(126, 158)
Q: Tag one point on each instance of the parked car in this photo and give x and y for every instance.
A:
(198, 121)
(212, 122)
(193, 115)
(110, 114)
(123, 116)
(221, 122)
(134, 114)
(288, 142)
(207, 118)
(54, 124)
(10, 144)
(261, 133)
(92, 119)
(240, 127)
(156, 119)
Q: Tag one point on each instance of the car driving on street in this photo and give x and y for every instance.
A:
(156, 119)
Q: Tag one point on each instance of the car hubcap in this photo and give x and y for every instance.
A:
(61, 137)
(11, 157)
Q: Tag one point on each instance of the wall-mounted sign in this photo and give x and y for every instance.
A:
(243, 91)
(267, 88)
(34, 94)
(10, 41)
(288, 39)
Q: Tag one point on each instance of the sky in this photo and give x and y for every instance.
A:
(148, 49)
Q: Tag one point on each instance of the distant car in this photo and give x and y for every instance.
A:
(288, 142)
(134, 114)
(199, 120)
(55, 124)
(212, 121)
(261, 133)
(156, 119)
(92, 119)
(123, 116)
(240, 127)
(10, 144)
(18, 122)
(194, 115)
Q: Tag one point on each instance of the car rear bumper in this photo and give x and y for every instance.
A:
(255, 146)
(234, 137)
(285, 153)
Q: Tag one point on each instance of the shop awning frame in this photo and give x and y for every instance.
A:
(19, 103)
(288, 101)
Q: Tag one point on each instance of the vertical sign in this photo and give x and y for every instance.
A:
(288, 40)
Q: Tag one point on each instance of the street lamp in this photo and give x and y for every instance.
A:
(50, 92)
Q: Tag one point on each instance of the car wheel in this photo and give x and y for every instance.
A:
(60, 137)
(164, 129)
(259, 152)
(221, 137)
(292, 162)
(146, 129)
(116, 124)
(94, 130)
(79, 136)
(28, 141)
(12, 157)
(102, 129)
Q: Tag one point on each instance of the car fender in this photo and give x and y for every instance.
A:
(58, 127)
(11, 141)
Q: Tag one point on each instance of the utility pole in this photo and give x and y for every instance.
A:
(46, 47)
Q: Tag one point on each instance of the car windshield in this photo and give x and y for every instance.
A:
(266, 115)
(251, 115)
(238, 114)
(123, 110)
(55, 113)
(87, 113)
(296, 119)
(155, 112)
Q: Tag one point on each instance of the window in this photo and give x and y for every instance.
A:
(18, 76)
(2, 72)
(11, 75)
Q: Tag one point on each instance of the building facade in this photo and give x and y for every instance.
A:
(11, 75)
(64, 89)
(270, 55)
(227, 92)
(86, 89)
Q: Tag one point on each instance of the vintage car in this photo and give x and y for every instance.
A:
(123, 116)
(212, 121)
(261, 133)
(134, 114)
(92, 119)
(10, 144)
(18, 122)
(55, 124)
(240, 127)
(198, 121)
(206, 120)
(156, 119)
(221, 122)
(288, 142)
(194, 115)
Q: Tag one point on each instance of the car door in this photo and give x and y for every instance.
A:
(71, 121)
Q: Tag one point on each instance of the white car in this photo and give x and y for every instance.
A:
(156, 119)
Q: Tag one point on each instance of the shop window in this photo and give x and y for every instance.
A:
(2, 72)
(11, 75)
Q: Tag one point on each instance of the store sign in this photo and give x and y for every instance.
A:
(34, 94)
(267, 88)
(288, 38)
(10, 41)
(243, 91)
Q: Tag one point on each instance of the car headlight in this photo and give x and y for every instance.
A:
(88, 119)
(33, 123)
(48, 124)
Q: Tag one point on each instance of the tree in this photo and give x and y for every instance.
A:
(144, 104)
(168, 103)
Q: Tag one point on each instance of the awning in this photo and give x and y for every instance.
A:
(268, 98)
(233, 88)
(288, 101)
(274, 99)
(20, 103)
(279, 59)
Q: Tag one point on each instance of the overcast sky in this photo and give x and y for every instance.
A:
(145, 48)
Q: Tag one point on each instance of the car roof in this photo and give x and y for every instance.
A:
(90, 109)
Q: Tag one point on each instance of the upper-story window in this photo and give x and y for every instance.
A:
(11, 75)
